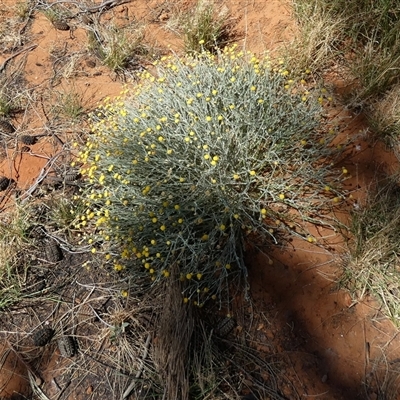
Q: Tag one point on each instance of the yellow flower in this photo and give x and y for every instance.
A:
(228, 266)
(252, 173)
(282, 196)
(204, 237)
(189, 276)
(201, 41)
(222, 227)
(118, 267)
(208, 118)
(124, 293)
(163, 227)
(199, 276)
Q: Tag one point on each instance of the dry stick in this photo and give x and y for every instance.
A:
(107, 4)
(41, 177)
(3, 66)
(137, 376)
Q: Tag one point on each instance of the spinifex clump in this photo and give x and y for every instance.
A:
(206, 151)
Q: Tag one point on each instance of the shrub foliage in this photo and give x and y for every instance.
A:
(200, 154)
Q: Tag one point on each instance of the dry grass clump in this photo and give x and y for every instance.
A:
(384, 116)
(206, 27)
(318, 42)
(373, 264)
(364, 37)
(117, 47)
(13, 244)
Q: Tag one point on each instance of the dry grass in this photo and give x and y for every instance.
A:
(373, 264)
(318, 42)
(171, 352)
(384, 117)
(383, 379)
(206, 26)
(120, 48)
(13, 249)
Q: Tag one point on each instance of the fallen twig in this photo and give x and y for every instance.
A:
(3, 66)
(40, 178)
(106, 5)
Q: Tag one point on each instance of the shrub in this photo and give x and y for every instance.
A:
(208, 151)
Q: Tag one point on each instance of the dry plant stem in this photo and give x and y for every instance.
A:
(3, 66)
(43, 173)
(27, 366)
(137, 376)
(174, 334)
(107, 4)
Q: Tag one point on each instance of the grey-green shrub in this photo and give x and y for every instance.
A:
(202, 153)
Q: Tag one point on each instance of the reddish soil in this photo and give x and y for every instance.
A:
(333, 347)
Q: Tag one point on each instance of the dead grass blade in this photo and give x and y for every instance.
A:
(171, 350)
